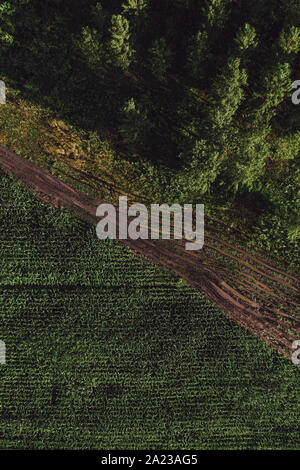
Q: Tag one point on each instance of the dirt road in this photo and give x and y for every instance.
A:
(250, 289)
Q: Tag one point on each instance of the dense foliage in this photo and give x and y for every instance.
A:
(199, 88)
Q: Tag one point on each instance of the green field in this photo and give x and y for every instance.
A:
(107, 351)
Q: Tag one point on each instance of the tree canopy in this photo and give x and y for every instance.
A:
(201, 89)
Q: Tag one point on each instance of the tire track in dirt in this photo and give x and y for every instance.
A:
(252, 291)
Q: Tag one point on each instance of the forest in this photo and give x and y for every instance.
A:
(196, 92)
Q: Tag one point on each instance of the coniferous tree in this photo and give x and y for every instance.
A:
(136, 11)
(289, 40)
(160, 59)
(228, 93)
(246, 38)
(216, 12)
(119, 46)
(197, 54)
(92, 48)
(7, 27)
(135, 7)
(249, 162)
(134, 125)
(200, 170)
(276, 86)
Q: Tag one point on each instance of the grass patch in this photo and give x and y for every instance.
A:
(40, 135)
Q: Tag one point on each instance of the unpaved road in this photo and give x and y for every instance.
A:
(250, 289)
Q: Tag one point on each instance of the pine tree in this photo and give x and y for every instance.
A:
(7, 11)
(246, 38)
(160, 59)
(92, 49)
(289, 40)
(202, 166)
(135, 7)
(120, 48)
(249, 161)
(134, 125)
(197, 53)
(98, 15)
(228, 93)
(136, 12)
(216, 12)
(275, 87)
